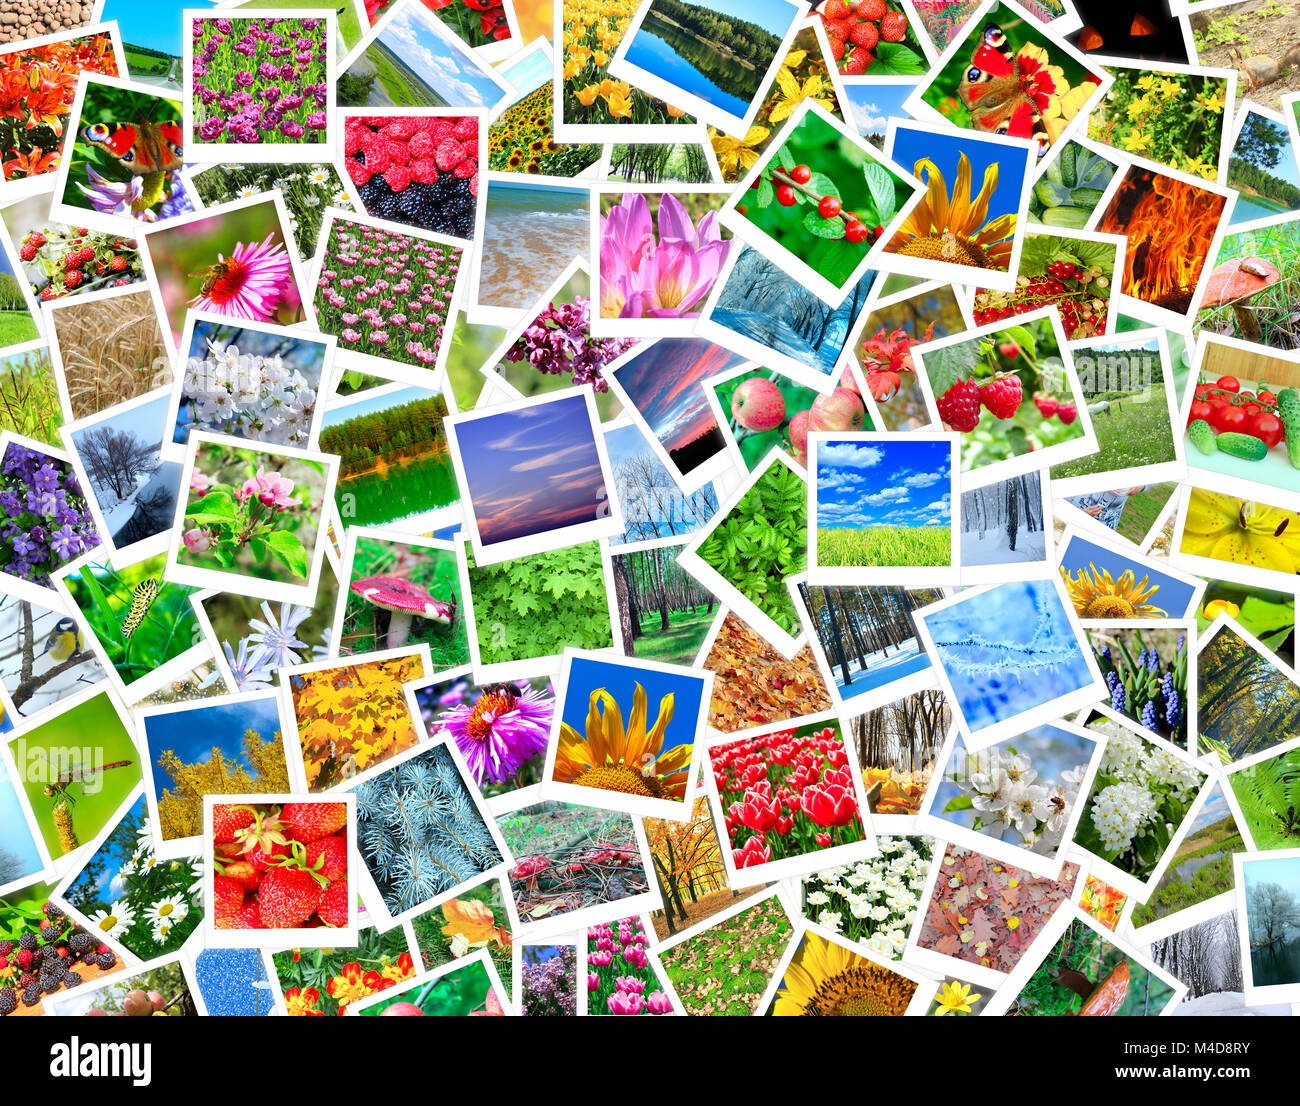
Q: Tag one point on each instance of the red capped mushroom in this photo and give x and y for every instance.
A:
(404, 601)
(529, 867)
(1235, 283)
(1103, 1000)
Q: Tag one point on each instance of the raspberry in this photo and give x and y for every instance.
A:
(423, 171)
(959, 406)
(352, 135)
(421, 146)
(72, 278)
(449, 154)
(473, 185)
(465, 169)
(467, 129)
(1067, 413)
(398, 129)
(359, 172)
(106, 960)
(24, 958)
(50, 933)
(1047, 406)
(397, 177)
(856, 63)
(117, 264)
(872, 9)
(835, 9)
(864, 35)
(893, 27)
(1002, 396)
(27, 942)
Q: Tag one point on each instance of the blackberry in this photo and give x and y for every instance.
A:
(79, 942)
(58, 969)
(50, 933)
(49, 984)
(72, 979)
(106, 960)
(28, 941)
(32, 995)
(8, 1001)
(6, 947)
(53, 912)
(26, 980)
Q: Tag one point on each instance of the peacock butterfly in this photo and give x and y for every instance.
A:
(1003, 95)
(141, 148)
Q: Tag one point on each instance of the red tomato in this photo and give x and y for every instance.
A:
(1266, 397)
(1251, 408)
(1202, 390)
(1266, 427)
(1200, 410)
(1228, 383)
(1246, 395)
(1230, 419)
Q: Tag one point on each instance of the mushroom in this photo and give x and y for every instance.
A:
(529, 868)
(1102, 1000)
(404, 601)
(1237, 281)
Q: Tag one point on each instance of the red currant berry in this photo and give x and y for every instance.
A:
(801, 174)
(829, 207)
(855, 232)
(785, 195)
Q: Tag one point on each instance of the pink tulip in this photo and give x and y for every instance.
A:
(620, 1003)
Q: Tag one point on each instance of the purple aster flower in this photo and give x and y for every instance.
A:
(499, 730)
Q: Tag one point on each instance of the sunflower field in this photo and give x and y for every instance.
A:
(522, 140)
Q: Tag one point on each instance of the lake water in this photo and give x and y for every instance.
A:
(1184, 871)
(1275, 964)
(403, 492)
(653, 54)
(1249, 208)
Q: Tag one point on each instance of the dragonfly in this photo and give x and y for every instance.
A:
(58, 788)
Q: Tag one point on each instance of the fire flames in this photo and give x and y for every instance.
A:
(1170, 227)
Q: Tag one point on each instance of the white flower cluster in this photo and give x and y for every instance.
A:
(1120, 811)
(874, 901)
(247, 396)
(1007, 794)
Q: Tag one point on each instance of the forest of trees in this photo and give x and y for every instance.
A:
(11, 294)
(854, 623)
(411, 430)
(688, 865)
(651, 584)
(741, 37)
(653, 505)
(116, 459)
(1009, 505)
(180, 807)
(1244, 703)
(1258, 149)
(648, 162)
(1206, 957)
(906, 734)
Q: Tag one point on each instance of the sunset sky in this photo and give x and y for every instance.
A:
(532, 470)
(664, 383)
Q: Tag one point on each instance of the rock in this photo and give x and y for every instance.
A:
(8, 17)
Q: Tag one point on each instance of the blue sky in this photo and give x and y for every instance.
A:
(871, 104)
(420, 40)
(620, 680)
(104, 885)
(1172, 595)
(15, 837)
(774, 15)
(663, 381)
(1214, 810)
(1284, 871)
(864, 484)
(337, 415)
(528, 75)
(916, 140)
(624, 444)
(1286, 168)
(532, 470)
(145, 422)
(191, 734)
(152, 23)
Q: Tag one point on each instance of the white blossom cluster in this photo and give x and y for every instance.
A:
(1005, 790)
(247, 396)
(1122, 811)
(874, 901)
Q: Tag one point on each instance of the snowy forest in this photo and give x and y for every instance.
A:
(1003, 522)
(1207, 957)
(653, 505)
(135, 489)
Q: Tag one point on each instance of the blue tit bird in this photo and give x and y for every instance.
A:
(65, 640)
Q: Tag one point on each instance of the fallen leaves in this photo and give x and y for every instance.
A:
(754, 685)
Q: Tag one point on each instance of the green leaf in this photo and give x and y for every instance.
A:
(820, 182)
(102, 606)
(897, 59)
(961, 802)
(204, 518)
(289, 549)
(786, 158)
(766, 193)
(832, 229)
(881, 182)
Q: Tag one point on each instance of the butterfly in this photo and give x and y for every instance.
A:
(141, 148)
(1000, 91)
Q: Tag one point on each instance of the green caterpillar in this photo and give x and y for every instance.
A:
(145, 593)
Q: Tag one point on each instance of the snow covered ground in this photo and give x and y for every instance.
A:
(1227, 1004)
(994, 548)
(881, 670)
(117, 513)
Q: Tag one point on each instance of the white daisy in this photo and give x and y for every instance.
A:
(114, 921)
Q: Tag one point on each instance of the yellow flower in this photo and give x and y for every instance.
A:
(1096, 594)
(1145, 82)
(1195, 167)
(737, 153)
(1135, 142)
(955, 231)
(1226, 528)
(632, 761)
(1215, 607)
(1169, 88)
(1137, 108)
(1013, 922)
(620, 106)
(586, 96)
(675, 113)
(1212, 102)
(955, 998)
(792, 94)
(825, 979)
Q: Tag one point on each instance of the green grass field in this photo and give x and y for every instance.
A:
(1129, 434)
(146, 63)
(16, 327)
(885, 547)
(1141, 511)
(685, 635)
(399, 88)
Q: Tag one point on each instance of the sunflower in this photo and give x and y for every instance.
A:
(627, 761)
(955, 231)
(825, 979)
(1097, 594)
(1227, 528)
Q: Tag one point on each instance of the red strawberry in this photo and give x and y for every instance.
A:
(1067, 412)
(287, 898)
(72, 278)
(893, 27)
(250, 917)
(36, 238)
(121, 282)
(227, 901)
(262, 856)
(1047, 405)
(1002, 396)
(328, 857)
(27, 252)
(333, 909)
(117, 264)
(100, 268)
(872, 9)
(307, 822)
(87, 254)
(72, 260)
(228, 820)
(837, 49)
(244, 873)
(959, 406)
(839, 28)
(856, 63)
(49, 292)
(864, 35)
(835, 9)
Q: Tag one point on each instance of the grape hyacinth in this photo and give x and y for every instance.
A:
(1144, 687)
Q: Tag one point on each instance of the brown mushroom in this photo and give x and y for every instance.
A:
(1102, 1000)
(404, 601)
(1235, 283)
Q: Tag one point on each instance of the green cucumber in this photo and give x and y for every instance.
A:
(1050, 194)
(1246, 446)
(1074, 217)
(1201, 434)
(1288, 410)
(1086, 197)
(1068, 169)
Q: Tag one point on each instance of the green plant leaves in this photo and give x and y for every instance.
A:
(881, 182)
(288, 548)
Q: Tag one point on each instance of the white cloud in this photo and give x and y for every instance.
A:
(849, 454)
(923, 479)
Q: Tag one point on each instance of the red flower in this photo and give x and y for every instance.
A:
(754, 852)
(829, 804)
(756, 812)
(302, 1004)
